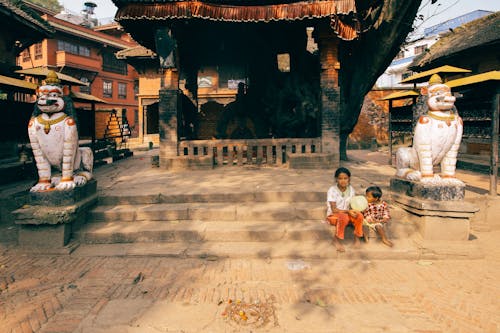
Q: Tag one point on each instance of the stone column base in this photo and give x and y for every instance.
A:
(47, 221)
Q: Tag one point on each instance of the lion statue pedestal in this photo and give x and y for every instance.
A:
(435, 201)
(57, 202)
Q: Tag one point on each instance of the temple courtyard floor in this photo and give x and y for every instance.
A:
(143, 287)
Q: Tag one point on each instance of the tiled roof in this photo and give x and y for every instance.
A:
(89, 34)
(26, 16)
(479, 32)
(135, 52)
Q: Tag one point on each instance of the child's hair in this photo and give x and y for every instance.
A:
(342, 170)
(375, 191)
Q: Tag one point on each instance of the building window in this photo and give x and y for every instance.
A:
(136, 88)
(85, 89)
(122, 90)
(406, 75)
(84, 51)
(73, 48)
(400, 55)
(107, 89)
(25, 55)
(111, 64)
(38, 51)
(420, 48)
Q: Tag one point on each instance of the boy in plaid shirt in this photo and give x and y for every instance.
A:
(377, 214)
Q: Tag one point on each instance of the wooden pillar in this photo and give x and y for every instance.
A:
(494, 145)
(328, 45)
(93, 127)
(390, 132)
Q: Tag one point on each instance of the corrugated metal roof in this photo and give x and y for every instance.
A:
(424, 76)
(16, 83)
(474, 79)
(42, 72)
(400, 95)
(81, 97)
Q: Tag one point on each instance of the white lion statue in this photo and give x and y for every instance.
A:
(436, 139)
(54, 140)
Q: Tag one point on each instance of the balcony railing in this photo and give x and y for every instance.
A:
(64, 58)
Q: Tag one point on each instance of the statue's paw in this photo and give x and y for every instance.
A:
(40, 187)
(66, 185)
(414, 175)
(79, 180)
(55, 180)
(435, 179)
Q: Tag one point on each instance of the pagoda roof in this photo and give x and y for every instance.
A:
(241, 11)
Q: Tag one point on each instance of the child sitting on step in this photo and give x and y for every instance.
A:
(339, 212)
(377, 214)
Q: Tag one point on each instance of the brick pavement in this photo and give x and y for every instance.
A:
(107, 293)
(51, 294)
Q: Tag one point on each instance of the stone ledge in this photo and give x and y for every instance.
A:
(43, 215)
(435, 208)
(312, 160)
(181, 163)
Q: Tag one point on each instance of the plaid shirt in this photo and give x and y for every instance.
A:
(377, 212)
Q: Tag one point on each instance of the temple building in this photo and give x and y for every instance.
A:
(241, 82)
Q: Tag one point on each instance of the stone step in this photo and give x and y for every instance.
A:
(220, 231)
(275, 211)
(234, 197)
(404, 249)
(196, 231)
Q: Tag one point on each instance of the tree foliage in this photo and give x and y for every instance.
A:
(385, 25)
(49, 4)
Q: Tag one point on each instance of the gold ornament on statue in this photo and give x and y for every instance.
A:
(52, 78)
(435, 79)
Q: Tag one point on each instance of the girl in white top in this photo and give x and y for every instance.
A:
(339, 213)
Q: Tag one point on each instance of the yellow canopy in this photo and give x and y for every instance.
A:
(16, 84)
(41, 72)
(81, 97)
(424, 76)
(400, 95)
(473, 79)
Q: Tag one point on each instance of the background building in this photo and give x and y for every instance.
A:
(83, 49)
(399, 68)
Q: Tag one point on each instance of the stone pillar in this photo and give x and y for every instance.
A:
(328, 45)
(167, 110)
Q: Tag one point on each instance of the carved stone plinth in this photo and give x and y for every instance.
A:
(453, 190)
(48, 219)
(438, 220)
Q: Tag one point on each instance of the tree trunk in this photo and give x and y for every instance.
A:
(364, 60)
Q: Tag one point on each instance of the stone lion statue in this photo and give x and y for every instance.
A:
(436, 139)
(54, 140)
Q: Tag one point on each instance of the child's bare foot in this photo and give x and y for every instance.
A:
(387, 242)
(338, 245)
(357, 243)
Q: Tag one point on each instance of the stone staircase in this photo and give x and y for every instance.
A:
(261, 224)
